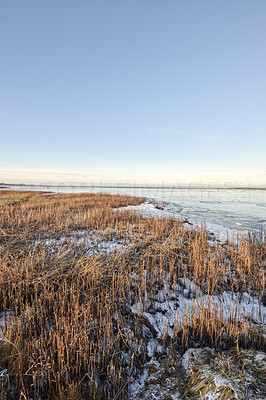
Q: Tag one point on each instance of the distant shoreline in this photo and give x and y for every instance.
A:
(122, 186)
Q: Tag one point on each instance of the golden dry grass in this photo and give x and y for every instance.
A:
(71, 333)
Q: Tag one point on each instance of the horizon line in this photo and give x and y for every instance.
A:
(4, 185)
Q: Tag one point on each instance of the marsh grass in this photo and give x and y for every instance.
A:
(226, 375)
(72, 333)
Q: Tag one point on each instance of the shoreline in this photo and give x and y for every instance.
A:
(222, 232)
(238, 210)
(125, 283)
(121, 186)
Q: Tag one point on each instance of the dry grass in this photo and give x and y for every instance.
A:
(72, 333)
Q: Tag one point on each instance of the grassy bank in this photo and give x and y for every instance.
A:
(94, 297)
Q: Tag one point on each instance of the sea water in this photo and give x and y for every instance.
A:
(241, 209)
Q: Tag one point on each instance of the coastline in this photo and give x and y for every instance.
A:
(240, 210)
(151, 208)
(152, 291)
(134, 186)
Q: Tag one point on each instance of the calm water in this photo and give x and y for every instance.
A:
(232, 208)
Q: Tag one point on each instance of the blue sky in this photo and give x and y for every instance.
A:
(144, 90)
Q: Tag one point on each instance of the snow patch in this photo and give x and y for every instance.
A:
(91, 242)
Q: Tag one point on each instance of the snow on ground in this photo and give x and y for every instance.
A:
(2, 324)
(187, 290)
(151, 208)
(4, 318)
(225, 375)
(91, 242)
(165, 313)
(3, 375)
(192, 357)
(158, 379)
(170, 305)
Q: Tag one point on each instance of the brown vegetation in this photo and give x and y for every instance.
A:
(70, 330)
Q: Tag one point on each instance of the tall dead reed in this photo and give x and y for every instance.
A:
(71, 331)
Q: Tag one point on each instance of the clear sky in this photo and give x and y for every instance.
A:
(123, 90)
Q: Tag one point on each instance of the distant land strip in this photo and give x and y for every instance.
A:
(123, 186)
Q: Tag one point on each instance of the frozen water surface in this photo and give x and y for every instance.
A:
(241, 209)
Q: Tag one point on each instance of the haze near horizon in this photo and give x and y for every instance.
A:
(143, 91)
